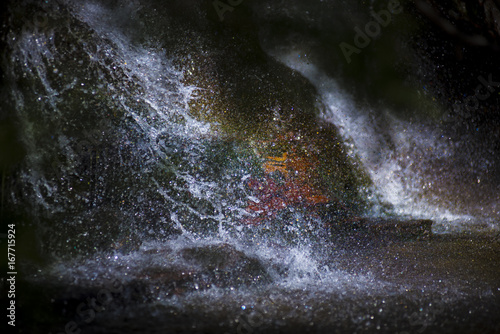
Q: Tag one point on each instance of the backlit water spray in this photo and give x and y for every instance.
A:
(130, 187)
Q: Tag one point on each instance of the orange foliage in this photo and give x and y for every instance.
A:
(294, 189)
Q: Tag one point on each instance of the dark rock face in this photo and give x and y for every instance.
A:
(366, 230)
(149, 131)
(204, 267)
(224, 266)
(104, 164)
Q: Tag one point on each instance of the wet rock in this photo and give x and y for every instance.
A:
(381, 229)
(204, 267)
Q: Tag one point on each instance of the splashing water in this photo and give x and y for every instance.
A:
(129, 187)
(399, 155)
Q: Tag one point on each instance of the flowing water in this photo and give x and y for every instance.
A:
(139, 125)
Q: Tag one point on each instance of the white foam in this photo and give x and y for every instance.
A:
(384, 145)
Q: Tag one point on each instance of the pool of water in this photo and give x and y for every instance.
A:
(448, 284)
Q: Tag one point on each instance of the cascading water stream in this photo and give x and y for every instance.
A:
(140, 197)
(395, 152)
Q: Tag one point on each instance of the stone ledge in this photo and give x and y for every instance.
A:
(384, 228)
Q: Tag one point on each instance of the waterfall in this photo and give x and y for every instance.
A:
(207, 166)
